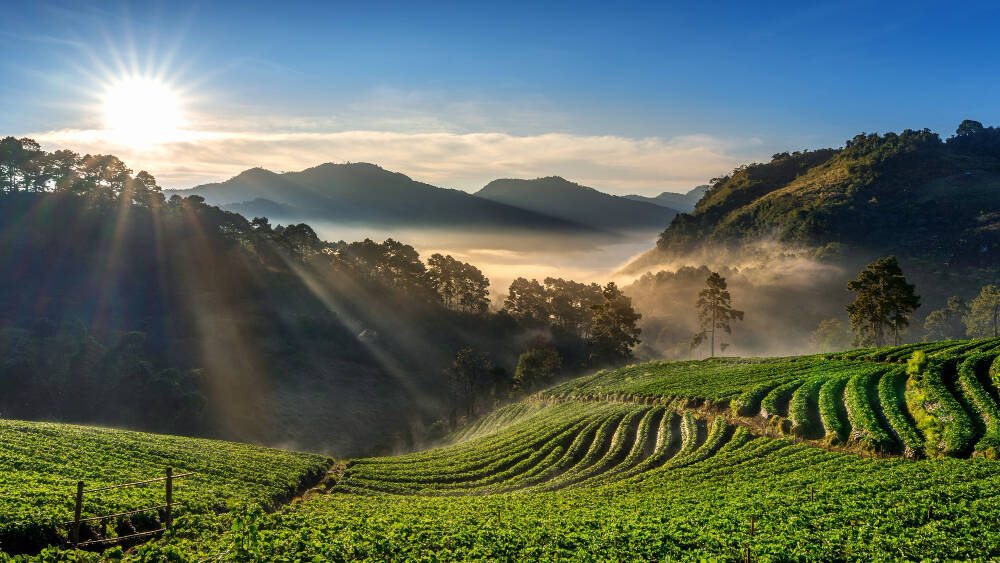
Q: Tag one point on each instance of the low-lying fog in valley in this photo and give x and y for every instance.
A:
(504, 256)
(785, 293)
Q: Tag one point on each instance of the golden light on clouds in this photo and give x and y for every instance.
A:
(468, 161)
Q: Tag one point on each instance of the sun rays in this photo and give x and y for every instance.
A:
(141, 112)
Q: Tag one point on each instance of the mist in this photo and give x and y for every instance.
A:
(785, 293)
(504, 255)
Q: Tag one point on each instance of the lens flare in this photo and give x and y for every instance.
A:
(141, 112)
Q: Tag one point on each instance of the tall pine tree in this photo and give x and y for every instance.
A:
(715, 311)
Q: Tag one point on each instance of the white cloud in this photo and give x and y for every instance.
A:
(457, 160)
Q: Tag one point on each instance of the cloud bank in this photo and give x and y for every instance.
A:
(455, 160)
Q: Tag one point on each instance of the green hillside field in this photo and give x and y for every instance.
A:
(875, 454)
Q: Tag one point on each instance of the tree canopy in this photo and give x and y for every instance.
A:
(983, 317)
(614, 331)
(883, 302)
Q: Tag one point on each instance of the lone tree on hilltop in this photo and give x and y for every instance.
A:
(715, 311)
(884, 301)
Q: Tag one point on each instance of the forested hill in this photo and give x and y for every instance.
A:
(909, 194)
(179, 317)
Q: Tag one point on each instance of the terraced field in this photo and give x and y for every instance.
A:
(865, 455)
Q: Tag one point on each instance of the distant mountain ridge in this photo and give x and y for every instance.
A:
(558, 197)
(681, 202)
(366, 193)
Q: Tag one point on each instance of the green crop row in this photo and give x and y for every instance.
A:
(890, 392)
(859, 395)
(957, 430)
(981, 403)
(831, 408)
(805, 401)
(769, 405)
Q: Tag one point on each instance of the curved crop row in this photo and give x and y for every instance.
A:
(624, 442)
(804, 402)
(748, 403)
(890, 392)
(770, 405)
(607, 443)
(948, 429)
(981, 403)
(862, 414)
(644, 435)
(831, 409)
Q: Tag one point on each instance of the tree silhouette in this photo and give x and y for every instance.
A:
(537, 366)
(614, 331)
(715, 311)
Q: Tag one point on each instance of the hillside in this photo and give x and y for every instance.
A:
(557, 197)
(180, 317)
(678, 461)
(909, 194)
(40, 464)
(366, 193)
(682, 202)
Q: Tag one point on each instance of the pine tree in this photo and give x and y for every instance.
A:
(883, 302)
(715, 311)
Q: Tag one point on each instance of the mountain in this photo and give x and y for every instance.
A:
(909, 194)
(366, 193)
(681, 202)
(572, 202)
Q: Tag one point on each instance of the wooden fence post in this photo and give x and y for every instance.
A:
(76, 512)
(170, 495)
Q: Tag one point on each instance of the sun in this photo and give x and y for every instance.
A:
(141, 112)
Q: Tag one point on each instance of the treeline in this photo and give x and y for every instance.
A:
(576, 326)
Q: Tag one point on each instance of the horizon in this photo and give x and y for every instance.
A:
(197, 93)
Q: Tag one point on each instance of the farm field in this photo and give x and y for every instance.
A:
(40, 464)
(866, 455)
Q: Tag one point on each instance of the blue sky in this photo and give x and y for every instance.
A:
(625, 97)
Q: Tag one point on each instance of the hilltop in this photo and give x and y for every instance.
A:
(558, 197)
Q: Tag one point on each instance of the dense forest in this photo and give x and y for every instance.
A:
(122, 307)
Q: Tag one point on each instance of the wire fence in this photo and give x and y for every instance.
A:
(167, 508)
